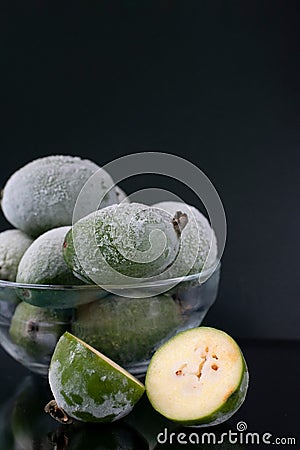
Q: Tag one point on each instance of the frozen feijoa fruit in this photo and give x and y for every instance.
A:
(120, 241)
(42, 194)
(43, 261)
(13, 244)
(37, 330)
(87, 385)
(198, 249)
(199, 377)
(127, 329)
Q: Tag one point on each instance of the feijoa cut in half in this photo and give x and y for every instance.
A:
(87, 385)
(198, 378)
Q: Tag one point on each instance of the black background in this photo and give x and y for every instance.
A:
(215, 82)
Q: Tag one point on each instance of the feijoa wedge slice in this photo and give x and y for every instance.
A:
(87, 385)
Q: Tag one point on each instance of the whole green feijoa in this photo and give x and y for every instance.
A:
(13, 244)
(127, 329)
(42, 194)
(198, 249)
(37, 330)
(123, 241)
(87, 385)
(43, 261)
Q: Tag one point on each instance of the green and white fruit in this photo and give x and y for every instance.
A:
(42, 194)
(198, 249)
(121, 242)
(13, 244)
(43, 261)
(37, 330)
(88, 386)
(199, 377)
(127, 329)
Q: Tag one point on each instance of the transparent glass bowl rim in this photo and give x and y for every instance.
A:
(201, 276)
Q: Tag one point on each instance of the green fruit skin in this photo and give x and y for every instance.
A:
(197, 238)
(37, 330)
(97, 255)
(70, 256)
(42, 194)
(127, 329)
(13, 244)
(43, 262)
(60, 298)
(228, 409)
(75, 369)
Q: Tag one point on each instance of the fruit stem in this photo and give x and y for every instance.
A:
(57, 413)
(179, 220)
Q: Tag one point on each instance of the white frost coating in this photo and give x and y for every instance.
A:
(116, 403)
(43, 262)
(42, 194)
(196, 240)
(124, 235)
(13, 244)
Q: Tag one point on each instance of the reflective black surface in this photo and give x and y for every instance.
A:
(271, 406)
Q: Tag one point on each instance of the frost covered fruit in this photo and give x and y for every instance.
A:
(37, 330)
(87, 385)
(42, 194)
(13, 244)
(43, 261)
(199, 377)
(198, 249)
(123, 241)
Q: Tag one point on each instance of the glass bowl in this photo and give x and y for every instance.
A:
(127, 326)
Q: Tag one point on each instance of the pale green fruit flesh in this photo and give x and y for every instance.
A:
(42, 194)
(127, 329)
(122, 242)
(37, 330)
(87, 385)
(199, 377)
(13, 244)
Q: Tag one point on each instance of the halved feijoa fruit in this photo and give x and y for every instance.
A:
(199, 377)
(87, 385)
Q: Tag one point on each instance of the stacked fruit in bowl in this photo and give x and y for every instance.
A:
(124, 278)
